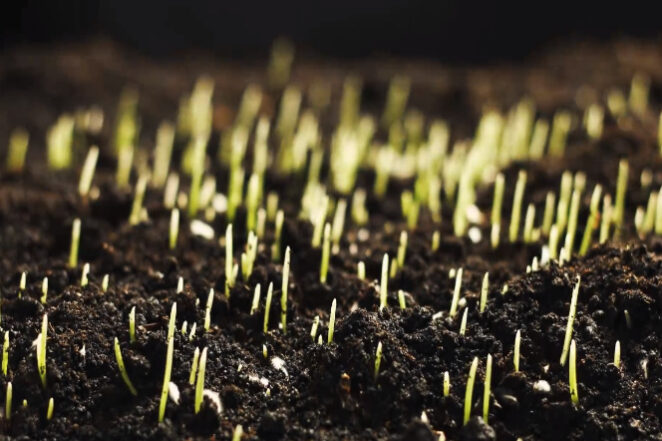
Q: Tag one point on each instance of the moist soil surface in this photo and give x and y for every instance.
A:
(303, 390)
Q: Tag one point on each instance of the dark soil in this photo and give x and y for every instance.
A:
(325, 392)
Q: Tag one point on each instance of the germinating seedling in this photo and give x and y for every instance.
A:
(5, 354)
(378, 359)
(51, 408)
(332, 322)
(168, 366)
(468, 394)
(200, 382)
(267, 307)
(284, 287)
(485, 287)
(383, 286)
(326, 251)
(574, 392)
(571, 320)
(210, 302)
(516, 350)
(517, 206)
(194, 366)
(122, 368)
(174, 228)
(75, 240)
(447, 384)
(456, 293)
(41, 350)
(486, 388)
(8, 400)
(617, 354)
(132, 325)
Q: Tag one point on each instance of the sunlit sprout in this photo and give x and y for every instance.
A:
(463, 322)
(249, 256)
(87, 173)
(265, 352)
(571, 320)
(165, 136)
(559, 134)
(572, 224)
(326, 250)
(516, 350)
(359, 211)
(456, 293)
(553, 242)
(237, 433)
(468, 394)
(574, 391)
(104, 282)
(487, 387)
(253, 195)
(272, 206)
(639, 90)
(401, 299)
(170, 191)
(383, 166)
(8, 400)
(607, 213)
(267, 307)
(483, 292)
(402, 249)
(5, 354)
(621, 189)
(548, 214)
(18, 147)
(538, 139)
(197, 163)
(191, 333)
(617, 354)
(41, 350)
(44, 290)
(360, 270)
(256, 299)
(332, 322)
(22, 283)
(194, 366)
(168, 365)
(261, 222)
(284, 289)
(497, 202)
(184, 329)
(338, 224)
(84, 278)
(564, 202)
(314, 327)
(383, 285)
(434, 246)
(200, 382)
(528, 223)
(229, 260)
(51, 408)
(59, 139)
(75, 240)
(318, 222)
(180, 285)
(592, 221)
(275, 247)
(122, 368)
(124, 163)
(396, 100)
(594, 120)
(209, 304)
(378, 360)
(174, 228)
(517, 206)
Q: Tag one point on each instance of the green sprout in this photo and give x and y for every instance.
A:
(463, 322)
(378, 359)
(41, 350)
(571, 319)
(326, 250)
(574, 392)
(174, 228)
(383, 286)
(468, 394)
(456, 293)
(170, 191)
(516, 351)
(132, 325)
(332, 322)
(483, 292)
(59, 139)
(194, 366)
(18, 147)
(284, 286)
(261, 222)
(402, 249)
(553, 242)
(591, 221)
(229, 261)
(639, 90)
(558, 136)
(252, 201)
(517, 205)
(538, 139)
(401, 299)
(237, 433)
(51, 408)
(256, 299)
(168, 367)
(8, 400)
(210, 302)
(434, 246)
(248, 257)
(191, 333)
(528, 223)
(572, 224)
(165, 136)
(275, 247)
(137, 207)
(338, 224)
(265, 352)
(200, 383)
(272, 206)
(75, 240)
(486, 388)
(197, 163)
(548, 213)
(84, 280)
(267, 307)
(44, 290)
(5, 354)
(318, 222)
(617, 354)
(122, 368)
(621, 189)
(607, 217)
(359, 212)
(87, 173)
(313, 328)
(497, 202)
(360, 270)
(447, 384)
(180, 285)
(22, 283)
(124, 162)
(104, 282)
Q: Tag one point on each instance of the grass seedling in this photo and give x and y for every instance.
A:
(229, 260)
(313, 328)
(436, 238)
(497, 200)
(338, 224)
(132, 325)
(104, 282)
(553, 242)
(617, 354)
(8, 400)
(165, 137)
(572, 224)
(326, 251)
(200, 383)
(59, 139)
(210, 302)
(456, 293)
(487, 387)
(44, 290)
(621, 189)
(122, 368)
(51, 408)
(180, 285)
(402, 249)
(538, 139)
(517, 206)
(574, 392)
(87, 173)
(447, 384)
(124, 163)
(332, 322)
(393, 269)
(639, 89)
(558, 136)
(272, 206)
(548, 214)
(483, 292)
(194, 366)
(571, 320)
(284, 286)
(275, 247)
(528, 223)
(383, 285)
(518, 342)
(137, 207)
(170, 191)
(261, 222)
(5, 354)
(267, 307)
(75, 240)
(237, 433)
(41, 350)
(256, 299)
(191, 333)
(84, 278)
(360, 270)
(18, 147)
(252, 201)
(248, 257)
(359, 211)
(168, 367)
(468, 394)
(378, 359)
(174, 228)
(607, 211)
(593, 219)
(463, 322)
(401, 299)
(22, 283)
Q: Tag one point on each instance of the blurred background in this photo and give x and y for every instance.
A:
(445, 30)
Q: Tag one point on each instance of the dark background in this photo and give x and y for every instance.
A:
(447, 30)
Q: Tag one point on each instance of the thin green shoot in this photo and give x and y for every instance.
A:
(516, 351)
(180, 285)
(436, 238)
(165, 136)
(272, 206)
(332, 322)
(553, 242)
(75, 240)
(84, 278)
(132, 325)
(565, 193)
(617, 354)
(484, 289)
(360, 270)
(571, 320)
(314, 327)
(401, 299)
(261, 222)
(383, 286)
(572, 224)
(41, 350)
(8, 400)
(237, 433)
(170, 191)
(487, 387)
(402, 249)
(621, 190)
(174, 228)
(497, 199)
(318, 222)
(44, 291)
(607, 211)
(447, 384)
(122, 368)
(326, 251)
(378, 360)
(548, 213)
(200, 383)
(87, 173)
(338, 224)
(104, 282)
(18, 147)
(468, 394)
(51, 408)
(456, 293)
(22, 283)
(591, 222)
(256, 299)
(278, 227)
(517, 205)
(528, 223)
(463, 322)
(194, 366)
(252, 201)
(229, 260)
(168, 367)
(191, 333)
(393, 269)
(574, 391)
(209, 304)
(5, 354)
(284, 288)
(267, 307)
